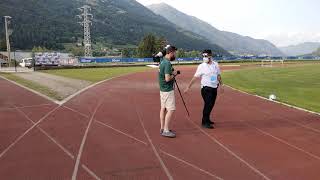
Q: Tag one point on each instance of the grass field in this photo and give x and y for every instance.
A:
(97, 74)
(92, 75)
(297, 85)
(37, 87)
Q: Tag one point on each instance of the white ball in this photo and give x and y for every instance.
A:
(272, 97)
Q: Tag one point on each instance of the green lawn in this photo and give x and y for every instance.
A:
(95, 74)
(299, 85)
(34, 86)
(92, 75)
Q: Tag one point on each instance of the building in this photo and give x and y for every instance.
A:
(2, 62)
(3, 57)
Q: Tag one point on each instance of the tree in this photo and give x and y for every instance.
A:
(161, 43)
(317, 52)
(77, 51)
(95, 54)
(181, 53)
(125, 52)
(147, 46)
(39, 49)
(135, 53)
(193, 54)
(3, 45)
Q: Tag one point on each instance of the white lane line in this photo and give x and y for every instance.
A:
(45, 133)
(61, 147)
(58, 144)
(84, 115)
(76, 167)
(304, 126)
(104, 124)
(21, 107)
(152, 145)
(26, 132)
(71, 96)
(189, 164)
(231, 65)
(230, 152)
(39, 105)
(267, 113)
(282, 141)
(123, 133)
(33, 91)
(277, 102)
(91, 86)
(90, 172)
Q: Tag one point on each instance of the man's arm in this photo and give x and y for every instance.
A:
(169, 74)
(219, 75)
(220, 80)
(193, 80)
(169, 77)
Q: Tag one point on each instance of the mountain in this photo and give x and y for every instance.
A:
(228, 40)
(316, 52)
(300, 49)
(51, 23)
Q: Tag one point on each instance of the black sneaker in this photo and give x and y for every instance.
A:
(211, 122)
(208, 126)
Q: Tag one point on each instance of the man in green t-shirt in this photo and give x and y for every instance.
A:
(167, 97)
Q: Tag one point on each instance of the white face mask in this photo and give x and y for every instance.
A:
(206, 59)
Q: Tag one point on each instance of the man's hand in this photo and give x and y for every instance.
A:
(174, 73)
(220, 80)
(190, 84)
(221, 87)
(169, 77)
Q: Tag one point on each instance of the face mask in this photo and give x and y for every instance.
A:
(205, 59)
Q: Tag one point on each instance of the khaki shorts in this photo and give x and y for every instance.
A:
(168, 100)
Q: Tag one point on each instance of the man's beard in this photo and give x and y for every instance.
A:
(172, 58)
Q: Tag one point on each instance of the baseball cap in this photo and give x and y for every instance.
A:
(170, 49)
(206, 52)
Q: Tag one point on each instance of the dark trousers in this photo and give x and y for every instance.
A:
(209, 96)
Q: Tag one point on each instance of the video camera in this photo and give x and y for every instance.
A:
(161, 54)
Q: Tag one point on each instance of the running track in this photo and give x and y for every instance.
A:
(111, 131)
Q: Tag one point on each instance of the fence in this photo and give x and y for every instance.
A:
(127, 60)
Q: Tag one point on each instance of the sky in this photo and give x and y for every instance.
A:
(283, 22)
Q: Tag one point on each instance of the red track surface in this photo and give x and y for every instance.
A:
(111, 131)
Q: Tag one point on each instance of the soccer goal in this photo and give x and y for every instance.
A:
(271, 62)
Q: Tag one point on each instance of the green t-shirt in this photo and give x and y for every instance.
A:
(165, 68)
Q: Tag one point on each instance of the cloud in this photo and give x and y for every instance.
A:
(284, 22)
(293, 38)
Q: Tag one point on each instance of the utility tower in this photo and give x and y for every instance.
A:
(86, 18)
(7, 21)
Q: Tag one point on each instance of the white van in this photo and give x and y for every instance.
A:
(26, 62)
